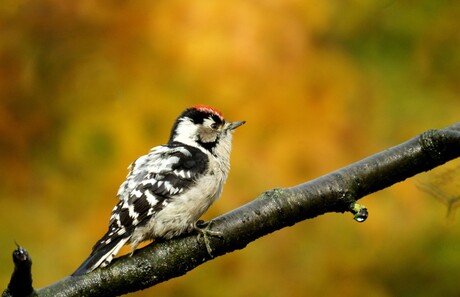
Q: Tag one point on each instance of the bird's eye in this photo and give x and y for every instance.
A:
(214, 126)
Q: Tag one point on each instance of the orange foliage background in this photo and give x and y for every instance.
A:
(88, 86)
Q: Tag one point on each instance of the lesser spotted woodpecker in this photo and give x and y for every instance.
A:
(167, 190)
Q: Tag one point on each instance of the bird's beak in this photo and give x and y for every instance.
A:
(234, 125)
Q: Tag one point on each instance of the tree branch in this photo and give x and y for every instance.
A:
(271, 211)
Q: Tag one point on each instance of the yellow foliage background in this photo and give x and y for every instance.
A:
(88, 86)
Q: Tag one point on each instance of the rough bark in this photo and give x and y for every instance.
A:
(271, 211)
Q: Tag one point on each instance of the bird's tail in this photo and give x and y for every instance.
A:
(101, 255)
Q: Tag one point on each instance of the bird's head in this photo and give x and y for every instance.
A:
(203, 126)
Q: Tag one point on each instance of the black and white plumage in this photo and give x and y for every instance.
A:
(167, 190)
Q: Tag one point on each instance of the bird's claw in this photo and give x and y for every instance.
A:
(203, 230)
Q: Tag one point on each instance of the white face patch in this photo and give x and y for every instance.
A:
(207, 133)
(208, 122)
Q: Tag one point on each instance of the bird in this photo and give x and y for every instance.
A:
(167, 190)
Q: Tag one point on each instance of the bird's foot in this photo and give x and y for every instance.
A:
(203, 230)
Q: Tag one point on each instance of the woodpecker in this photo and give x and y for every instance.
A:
(167, 190)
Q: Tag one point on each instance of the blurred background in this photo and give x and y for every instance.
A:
(88, 86)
